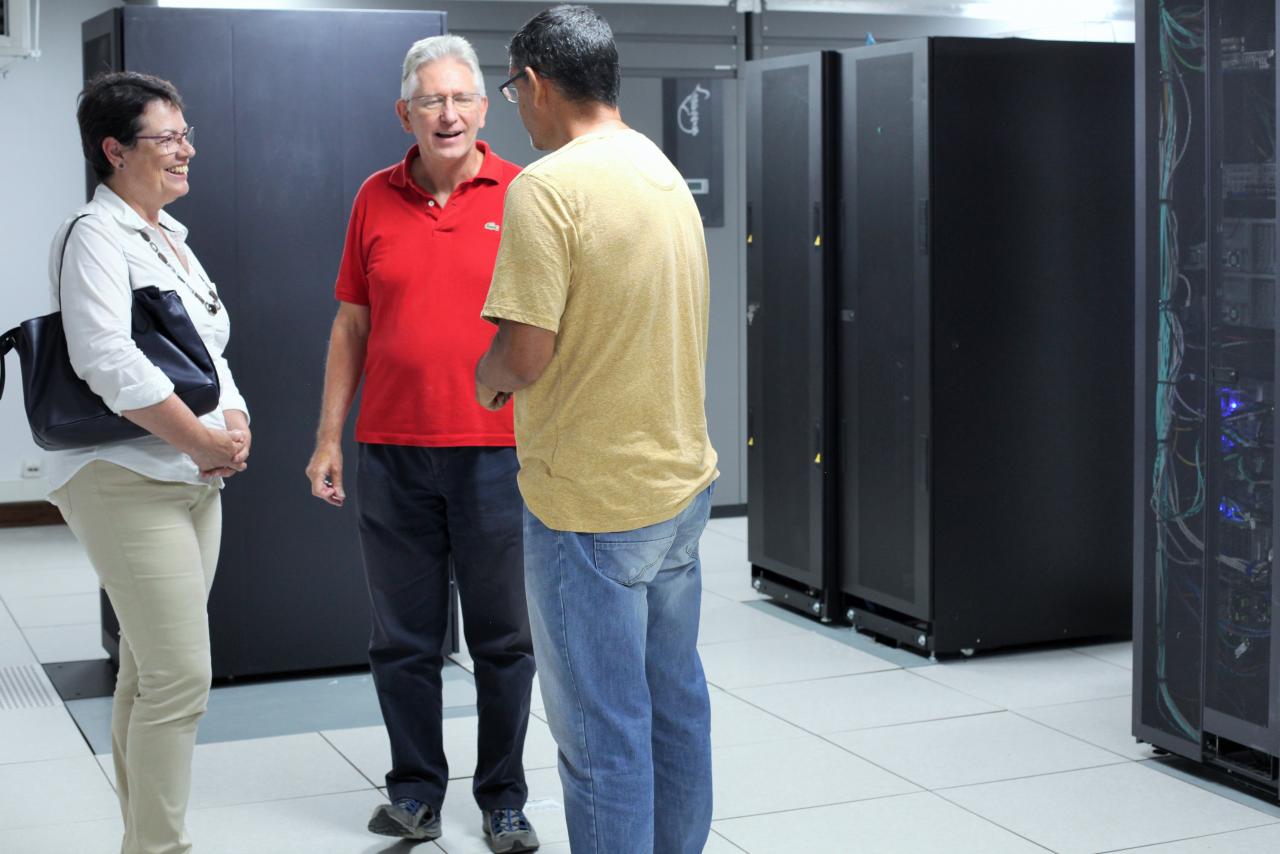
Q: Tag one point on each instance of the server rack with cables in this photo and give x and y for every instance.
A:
(984, 355)
(790, 341)
(1205, 674)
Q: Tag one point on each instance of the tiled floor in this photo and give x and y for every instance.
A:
(823, 742)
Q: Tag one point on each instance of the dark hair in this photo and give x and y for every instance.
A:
(573, 47)
(112, 104)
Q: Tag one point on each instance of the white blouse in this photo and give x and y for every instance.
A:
(109, 255)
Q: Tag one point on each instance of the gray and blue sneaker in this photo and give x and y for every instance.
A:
(407, 819)
(508, 831)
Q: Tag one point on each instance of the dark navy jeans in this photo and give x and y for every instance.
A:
(418, 506)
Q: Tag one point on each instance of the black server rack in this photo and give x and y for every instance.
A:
(1205, 669)
(984, 358)
(790, 343)
(288, 131)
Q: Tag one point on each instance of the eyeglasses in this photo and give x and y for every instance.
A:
(463, 102)
(508, 89)
(169, 142)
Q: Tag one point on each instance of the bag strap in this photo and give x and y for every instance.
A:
(9, 340)
(62, 256)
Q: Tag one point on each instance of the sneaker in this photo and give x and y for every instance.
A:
(407, 819)
(508, 831)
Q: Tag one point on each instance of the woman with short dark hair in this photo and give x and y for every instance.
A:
(147, 511)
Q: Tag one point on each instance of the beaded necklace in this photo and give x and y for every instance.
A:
(213, 304)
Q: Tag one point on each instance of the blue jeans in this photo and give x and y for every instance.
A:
(615, 631)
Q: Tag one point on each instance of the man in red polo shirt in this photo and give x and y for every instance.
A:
(436, 474)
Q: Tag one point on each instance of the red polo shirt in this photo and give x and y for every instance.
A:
(424, 272)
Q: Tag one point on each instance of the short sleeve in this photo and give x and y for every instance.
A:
(353, 283)
(534, 265)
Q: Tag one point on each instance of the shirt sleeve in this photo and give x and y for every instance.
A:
(97, 316)
(534, 266)
(230, 397)
(353, 283)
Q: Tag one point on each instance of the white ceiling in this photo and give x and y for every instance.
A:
(1031, 11)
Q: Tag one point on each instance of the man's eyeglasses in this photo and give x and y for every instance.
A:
(463, 102)
(170, 142)
(508, 89)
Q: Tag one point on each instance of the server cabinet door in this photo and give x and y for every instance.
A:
(787, 364)
(1169, 518)
(1239, 259)
(883, 338)
(295, 111)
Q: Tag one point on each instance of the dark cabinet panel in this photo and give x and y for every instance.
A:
(295, 110)
(884, 327)
(788, 340)
(979, 400)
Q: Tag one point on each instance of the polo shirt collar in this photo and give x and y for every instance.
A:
(490, 169)
(119, 210)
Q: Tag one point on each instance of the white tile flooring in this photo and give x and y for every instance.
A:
(823, 742)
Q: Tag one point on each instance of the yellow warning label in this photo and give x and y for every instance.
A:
(751, 441)
(749, 238)
(817, 241)
(818, 458)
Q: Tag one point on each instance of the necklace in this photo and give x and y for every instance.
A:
(212, 305)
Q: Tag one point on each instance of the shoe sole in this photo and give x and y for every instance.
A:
(514, 848)
(384, 825)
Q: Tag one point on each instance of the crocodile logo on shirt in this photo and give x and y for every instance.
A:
(491, 226)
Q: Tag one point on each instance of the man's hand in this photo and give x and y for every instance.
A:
(325, 473)
(489, 398)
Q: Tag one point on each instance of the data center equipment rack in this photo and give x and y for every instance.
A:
(984, 365)
(939, 348)
(790, 266)
(1205, 655)
(271, 192)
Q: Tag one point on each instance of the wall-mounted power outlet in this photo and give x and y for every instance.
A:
(32, 468)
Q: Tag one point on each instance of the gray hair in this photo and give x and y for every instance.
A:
(428, 50)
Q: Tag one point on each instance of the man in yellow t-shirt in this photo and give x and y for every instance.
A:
(600, 292)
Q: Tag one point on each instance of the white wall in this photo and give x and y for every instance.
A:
(41, 181)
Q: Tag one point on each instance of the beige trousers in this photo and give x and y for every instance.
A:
(154, 546)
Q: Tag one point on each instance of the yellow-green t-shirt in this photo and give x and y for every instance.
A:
(603, 245)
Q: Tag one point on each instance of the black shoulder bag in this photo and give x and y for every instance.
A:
(63, 411)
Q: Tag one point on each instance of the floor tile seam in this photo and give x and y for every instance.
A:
(346, 758)
(729, 842)
(1188, 838)
(1001, 705)
(1127, 694)
(1120, 761)
(706, 592)
(282, 800)
(704, 644)
(208, 807)
(723, 687)
(1103, 660)
(723, 535)
(92, 756)
(1242, 797)
(917, 792)
(878, 727)
(39, 665)
(770, 712)
(992, 822)
(1073, 735)
(23, 628)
